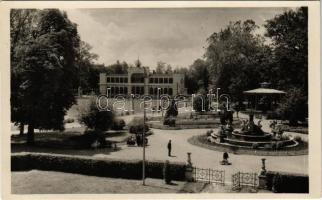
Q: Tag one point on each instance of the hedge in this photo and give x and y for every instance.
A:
(288, 182)
(129, 169)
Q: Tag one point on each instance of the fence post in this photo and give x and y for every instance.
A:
(189, 169)
(238, 180)
(262, 176)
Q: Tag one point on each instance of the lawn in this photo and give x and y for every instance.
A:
(48, 182)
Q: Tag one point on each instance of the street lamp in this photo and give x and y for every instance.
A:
(143, 163)
(159, 101)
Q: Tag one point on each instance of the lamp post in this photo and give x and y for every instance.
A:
(143, 163)
(159, 100)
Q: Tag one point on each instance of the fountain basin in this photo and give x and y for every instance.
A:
(266, 137)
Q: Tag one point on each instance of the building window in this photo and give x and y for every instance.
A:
(156, 80)
(133, 90)
(170, 91)
(151, 80)
(160, 80)
(121, 90)
(151, 91)
(125, 90)
(108, 79)
(166, 80)
(117, 79)
(112, 80)
(165, 90)
(170, 80)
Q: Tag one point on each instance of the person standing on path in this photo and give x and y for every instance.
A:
(169, 148)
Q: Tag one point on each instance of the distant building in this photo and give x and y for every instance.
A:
(139, 80)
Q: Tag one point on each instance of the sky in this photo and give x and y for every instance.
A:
(176, 36)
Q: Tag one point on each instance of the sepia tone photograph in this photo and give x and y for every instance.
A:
(182, 100)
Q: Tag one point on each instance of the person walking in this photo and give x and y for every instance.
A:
(169, 148)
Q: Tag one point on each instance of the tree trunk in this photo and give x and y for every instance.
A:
(21, 128)
(30, 134)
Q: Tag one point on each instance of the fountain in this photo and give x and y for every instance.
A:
(251, 135)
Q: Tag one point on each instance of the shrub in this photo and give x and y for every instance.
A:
(172, 110)
(166, 172)
(88, 138)
(209, 132)
(201, 101)
(268, 146)
(279, 145)
(294, 107)
(298, 138)
(69, 120)
(107, 167)
(170, 121)
(136, 126)
(118, 124)
(255, 145)
(287, 182)
(96, 119)
(276, 183)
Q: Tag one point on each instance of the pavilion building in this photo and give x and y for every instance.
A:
(140, 81)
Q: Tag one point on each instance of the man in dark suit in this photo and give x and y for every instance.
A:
(169, 148)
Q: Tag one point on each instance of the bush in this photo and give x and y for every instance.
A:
(118, 124)
(96, 119)
(255, 145)
(88, 139)
(136, 126)
(209, 132)
(170, 121)
(129, 169)
(287, 182)
(279, 145)
(201, 101)
(267, 146)
(298, 138)
(69, 120)
(294, 107)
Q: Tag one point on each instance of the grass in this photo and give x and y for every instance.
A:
(45, 182)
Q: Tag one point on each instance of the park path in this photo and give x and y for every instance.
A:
(205, 158)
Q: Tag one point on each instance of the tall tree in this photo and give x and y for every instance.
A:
(22, 22)
(85, 63)
(289, 34)
(46, 67)
(234, 55)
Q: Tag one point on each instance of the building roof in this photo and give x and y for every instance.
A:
(264, 91)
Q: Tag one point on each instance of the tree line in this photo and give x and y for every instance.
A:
(49, 61)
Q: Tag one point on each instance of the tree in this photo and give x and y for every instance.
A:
(161, 67)
(22, 22)
(294, 106)
(95, 119)
(87, 69)
(201, 101)
(200, 74)
(289, 34)
(45, 72)
(235, 56)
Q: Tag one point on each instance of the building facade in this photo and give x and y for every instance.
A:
(139, 81)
